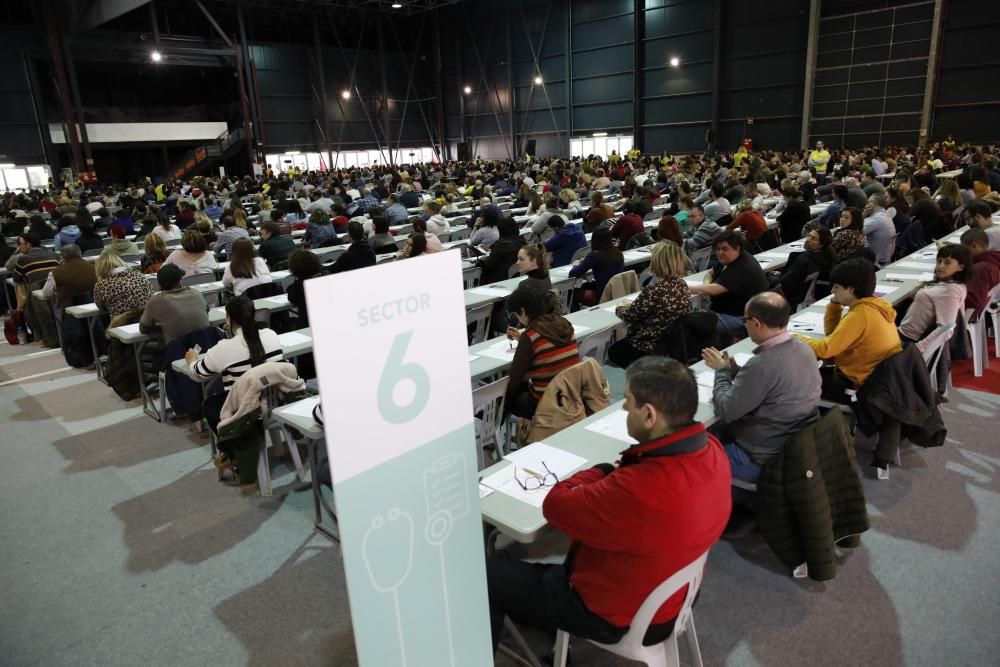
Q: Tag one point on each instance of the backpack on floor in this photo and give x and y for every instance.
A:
(11, 326)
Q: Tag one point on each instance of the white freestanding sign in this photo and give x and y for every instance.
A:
(392, 361)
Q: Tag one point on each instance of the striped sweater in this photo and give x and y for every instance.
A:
(230, 358)
(546, 347)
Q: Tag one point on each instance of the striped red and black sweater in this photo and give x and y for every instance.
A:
(546, 346)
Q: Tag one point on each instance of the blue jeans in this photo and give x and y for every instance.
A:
(730, 325)
(744, 468)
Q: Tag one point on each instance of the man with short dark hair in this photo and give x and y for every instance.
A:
(732, 282)
(879, 229)
(230, 232)
(765, 401)
(979, 215)
(359, 254)
(700, 231)
(381, 238)
(32, 262)
(274, 247)
(74, 276)
(175, 309)
(395, 212)
(632, 525)
(985, 269)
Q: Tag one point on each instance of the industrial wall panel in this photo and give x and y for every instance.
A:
(681, 18)
(975, 123)
(966, 86)
(584, 12)
(686, 79)
(603, 33)
(761, 72)
(792, 30)
(17, 108)
(969, 45)
(556, 96)
(832, 77)
(598, 118)
(612, 60)
(524, 72)
(778, 134)
(539, 121)
(678, 109)
(763, 101)
(832, 109)
(616, 87)
(689, 48)
(899, 88)
(678, 139)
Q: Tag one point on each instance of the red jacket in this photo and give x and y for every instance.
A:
(985, 275)
(627, 226)
(638, 525)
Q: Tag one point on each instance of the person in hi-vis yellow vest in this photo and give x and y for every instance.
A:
(818, 159)
(633, 154)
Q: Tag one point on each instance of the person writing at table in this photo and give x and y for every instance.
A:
(858, 341)
(632, 524)
(735, 279)
(249, 346)
(546, 346)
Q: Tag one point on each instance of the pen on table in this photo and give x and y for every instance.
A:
(532, 473)
(594, 308)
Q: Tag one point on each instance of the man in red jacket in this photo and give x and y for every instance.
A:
(985, 269)
(633, 524)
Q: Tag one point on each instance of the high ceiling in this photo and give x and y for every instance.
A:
(408, 6)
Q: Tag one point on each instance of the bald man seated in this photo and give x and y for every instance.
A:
(767, 400)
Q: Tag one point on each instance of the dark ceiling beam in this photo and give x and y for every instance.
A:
(214, 23)
(102, 11)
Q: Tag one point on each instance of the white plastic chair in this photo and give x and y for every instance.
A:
(471, 278)
(700, 258)
(993, 310)
(596, 345)
(481, 318)
(665, 654)
(810, 297)
(932, 346)
(489, 399)
(460, 233)
(975, 327)
(580, 254)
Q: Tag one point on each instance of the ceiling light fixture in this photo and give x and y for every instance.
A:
(675, 61)
(156, 56)
(538, 80)
(467, 90)
(346, 94)
(600, 134)
(397, 5)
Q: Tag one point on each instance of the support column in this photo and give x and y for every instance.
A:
(930, 85)
(569, 76)
(438, 66)
(74, 88)
(807, 93)
(511, 100)
(62, 82)
(321, 73)
(716, 72)
(638, 20)
(384, 95)
(248, 81)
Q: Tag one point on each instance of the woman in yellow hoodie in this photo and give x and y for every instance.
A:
(860, 340)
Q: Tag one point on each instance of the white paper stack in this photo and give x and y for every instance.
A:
(807, 322)
(535, 460)
(613, 426)
(502, 350)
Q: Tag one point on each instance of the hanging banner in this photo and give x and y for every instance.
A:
(392, 362)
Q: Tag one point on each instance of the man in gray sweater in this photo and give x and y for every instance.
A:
(763, 403)
(175, 309)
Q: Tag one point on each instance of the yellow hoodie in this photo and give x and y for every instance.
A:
(860, 340)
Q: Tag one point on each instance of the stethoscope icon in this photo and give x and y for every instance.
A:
(389, 567)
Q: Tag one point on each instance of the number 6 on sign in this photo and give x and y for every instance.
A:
(395, 372)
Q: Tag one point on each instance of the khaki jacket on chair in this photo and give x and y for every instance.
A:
(577, 392)
(621, 284)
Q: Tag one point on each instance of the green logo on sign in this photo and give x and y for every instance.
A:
(395, 372)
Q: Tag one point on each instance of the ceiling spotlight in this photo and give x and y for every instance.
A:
(156, 56)
(397, 5)
(467, 90)
(600, 134)
(346, 94)
(538, 80)
(675, 61)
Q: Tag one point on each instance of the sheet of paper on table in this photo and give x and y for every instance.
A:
(489, 291)
(924, 266)
(484, 491)
(278, 298)
(705, 378)
(293, 338)
(504, 350)
(806, 321)
(504, 482)
(130, 328)
(742, 358)
(922, 277)
(303, 408)
(538, 456)
(704, 395)
(613, 426)
(579, 329)
(472, 357)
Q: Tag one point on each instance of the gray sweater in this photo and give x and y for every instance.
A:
(768, 399)
(175, 312)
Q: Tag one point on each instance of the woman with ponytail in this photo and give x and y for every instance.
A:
(247, 346)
